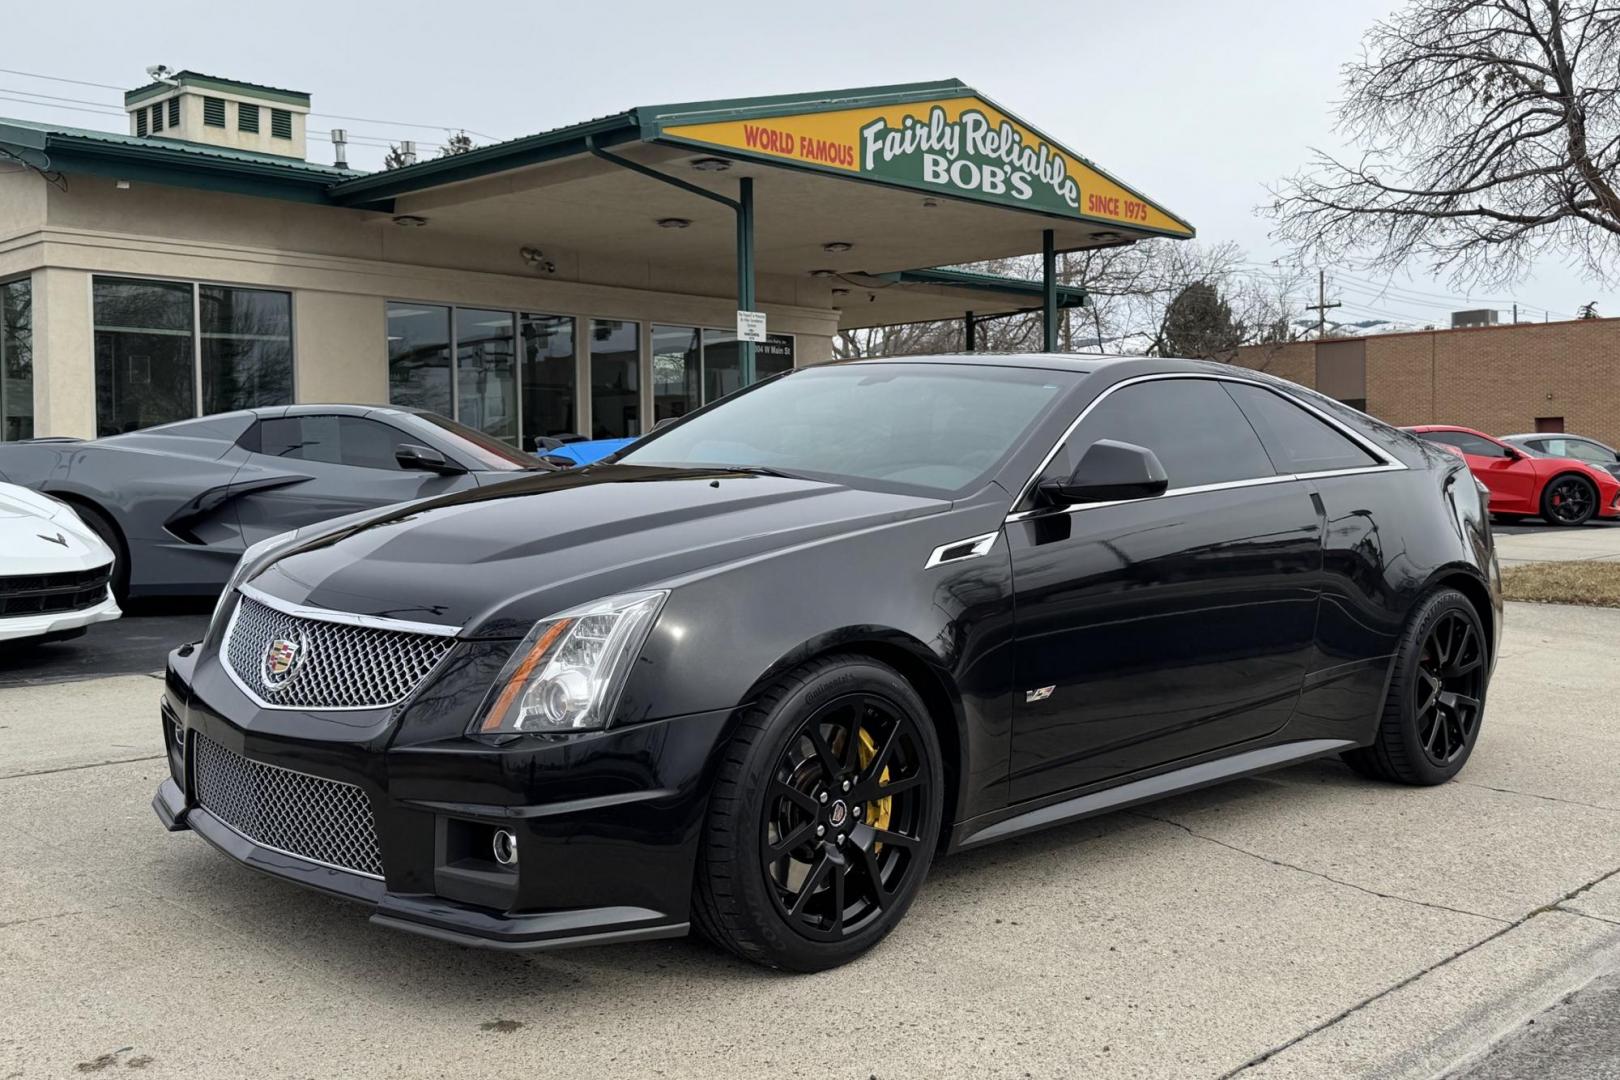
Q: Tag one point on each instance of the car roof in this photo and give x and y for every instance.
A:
(1419, 428)
(1077, 363)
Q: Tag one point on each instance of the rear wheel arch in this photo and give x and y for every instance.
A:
(1478, 593)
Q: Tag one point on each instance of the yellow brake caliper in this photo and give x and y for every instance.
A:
(877, 811)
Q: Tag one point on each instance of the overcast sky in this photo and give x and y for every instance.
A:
(1198, 104)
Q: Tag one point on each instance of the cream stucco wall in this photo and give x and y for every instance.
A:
(341, 267)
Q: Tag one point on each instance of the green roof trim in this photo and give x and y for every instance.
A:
(654, 118)
(487, 160)
(168, 161)
(196, 165)
(196, 81)
(1069, 296)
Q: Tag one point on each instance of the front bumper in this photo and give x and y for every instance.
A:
(32, 626)
(606, 824)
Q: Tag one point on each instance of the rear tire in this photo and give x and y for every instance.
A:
(1436, 703)
(103, 527)
(1569, 500)
(823, 819)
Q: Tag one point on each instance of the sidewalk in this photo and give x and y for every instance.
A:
(1547, 544)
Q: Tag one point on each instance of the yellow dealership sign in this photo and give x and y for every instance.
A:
(960, 146)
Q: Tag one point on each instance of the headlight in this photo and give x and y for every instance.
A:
(567, 673)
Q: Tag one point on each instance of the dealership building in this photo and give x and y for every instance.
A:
(1500, 379)
(594, 278)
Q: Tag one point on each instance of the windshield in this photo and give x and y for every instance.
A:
(483, 451)
(939, 428)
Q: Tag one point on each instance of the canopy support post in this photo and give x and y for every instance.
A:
(745, 269)
(1049, 291)
(969, 336)
(742, 206)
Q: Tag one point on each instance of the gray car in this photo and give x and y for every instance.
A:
(1579, 447)
(179, 503)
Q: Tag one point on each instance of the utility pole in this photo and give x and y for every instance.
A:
(1321, 306)
(1515, 314)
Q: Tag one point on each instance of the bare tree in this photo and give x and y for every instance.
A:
(1128, 290)
(1489, 134)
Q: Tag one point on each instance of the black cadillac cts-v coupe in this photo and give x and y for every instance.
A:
(758, 671)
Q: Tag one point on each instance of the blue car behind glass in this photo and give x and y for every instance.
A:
(582, 452)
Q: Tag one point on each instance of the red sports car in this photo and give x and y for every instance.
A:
(1562, 491)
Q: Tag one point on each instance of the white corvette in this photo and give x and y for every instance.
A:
(54, 569)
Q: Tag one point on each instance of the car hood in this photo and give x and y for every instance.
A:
(497, 559)
(42, 536)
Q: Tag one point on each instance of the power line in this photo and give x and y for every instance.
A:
(332, 116)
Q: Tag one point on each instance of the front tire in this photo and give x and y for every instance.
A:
(1568, 500)
(824, 817)
(1436, 702)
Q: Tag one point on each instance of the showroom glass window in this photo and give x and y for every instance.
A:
(677, 371)
(153, 366)
(16, 360)
(486, 372)
(615, 379)
(247, 356)
(146, 355)
(419, 357)
(722, 361)
(550, 377)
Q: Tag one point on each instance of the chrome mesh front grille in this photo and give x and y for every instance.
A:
(332, 665)
(295, 813)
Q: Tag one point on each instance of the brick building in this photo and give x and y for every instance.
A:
(1562, 376)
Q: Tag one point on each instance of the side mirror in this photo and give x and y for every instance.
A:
(425, 458)
(1109, 471)
(665, 422)
(1513, 453)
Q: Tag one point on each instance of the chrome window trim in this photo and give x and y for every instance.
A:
(981, 547)
(374, 622)
(1388, 462)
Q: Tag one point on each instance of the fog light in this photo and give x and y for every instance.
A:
(505, 846)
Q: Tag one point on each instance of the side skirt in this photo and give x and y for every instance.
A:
(1146, 790)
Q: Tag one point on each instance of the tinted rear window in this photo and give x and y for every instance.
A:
(1297, 440)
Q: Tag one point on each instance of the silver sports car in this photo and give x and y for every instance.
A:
(178, 503)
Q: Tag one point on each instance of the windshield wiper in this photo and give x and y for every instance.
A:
(751, 470)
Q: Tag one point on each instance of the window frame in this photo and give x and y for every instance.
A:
(582, 320)
(33, 403)
(196, 285)
(1027, 492)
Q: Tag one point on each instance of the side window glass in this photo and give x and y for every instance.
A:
(300, 438)
(368, 444)
(1585, 451)
(1468, 444)
(1297, 441)
(1196, 430)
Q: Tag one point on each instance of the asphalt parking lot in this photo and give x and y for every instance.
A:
(1305, 923)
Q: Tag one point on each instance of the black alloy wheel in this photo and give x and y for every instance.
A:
(844, 817)
(1436, 703)
(1449, 684)
(824, 817)
(1569, 500)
